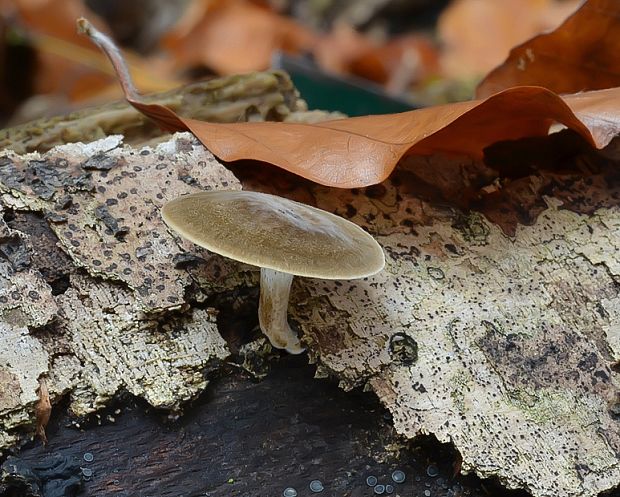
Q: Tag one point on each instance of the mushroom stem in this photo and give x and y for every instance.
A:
(275, 288)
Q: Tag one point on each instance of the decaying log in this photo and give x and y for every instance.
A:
(504, 342)
(255, 97)
(90, 297)
(502, 345)
(241, 438)
(103, 332)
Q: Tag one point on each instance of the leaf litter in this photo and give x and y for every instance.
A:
(362, 151)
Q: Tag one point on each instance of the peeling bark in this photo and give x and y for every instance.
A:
(117, 326)
(500, 338)
(502, 345)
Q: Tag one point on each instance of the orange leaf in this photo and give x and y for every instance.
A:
(478, 34)
(362, 151)
(233, 36)
(582, 54)
(67, 63)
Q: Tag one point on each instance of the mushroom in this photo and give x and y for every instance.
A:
(282, 237)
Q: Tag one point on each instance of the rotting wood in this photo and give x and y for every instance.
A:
(104, 333)
(249, 97)
(500, 343)
(90, 249)
(503, 344)
(241, 438)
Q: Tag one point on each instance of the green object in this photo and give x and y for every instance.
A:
(325, 91)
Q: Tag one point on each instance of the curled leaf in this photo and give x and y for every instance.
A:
(476, 35)
(581, 54)
(43, 411)
(362, 151)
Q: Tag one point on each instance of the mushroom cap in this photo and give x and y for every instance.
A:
(277, 233)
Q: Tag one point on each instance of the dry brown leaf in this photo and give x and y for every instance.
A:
(399, 62)
(43, 411)
(234, 36)
(478, 34)
(337, 50)
(356, 152)
(67, 63)
(362, 151)
(582, 54)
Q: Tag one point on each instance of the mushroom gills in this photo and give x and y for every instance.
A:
(275, 288)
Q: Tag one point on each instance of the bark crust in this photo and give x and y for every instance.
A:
(505, 343)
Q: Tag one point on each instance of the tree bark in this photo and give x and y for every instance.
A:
(256, 96)
(500, 337)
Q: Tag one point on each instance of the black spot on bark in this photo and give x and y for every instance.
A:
(100, 162)
(186, 260)
(103, 214)
(403, 349)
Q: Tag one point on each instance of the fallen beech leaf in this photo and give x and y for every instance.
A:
(581, 54)
(478, 34)
(233, 36)
(362, 151)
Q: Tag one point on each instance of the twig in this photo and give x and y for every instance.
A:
(107, 45)
(161, 114)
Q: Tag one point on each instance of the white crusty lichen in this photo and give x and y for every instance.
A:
(25, 302)
(121, 350)
(21, 365)
(501, 345)
(103, 201)
(122, 325)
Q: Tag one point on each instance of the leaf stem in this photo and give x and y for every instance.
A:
(105, 43)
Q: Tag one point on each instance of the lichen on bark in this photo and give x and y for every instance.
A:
(499, 337)
(121, 324)
(93, 287)
(501, 345)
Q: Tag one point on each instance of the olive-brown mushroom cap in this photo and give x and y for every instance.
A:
(273, 232)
